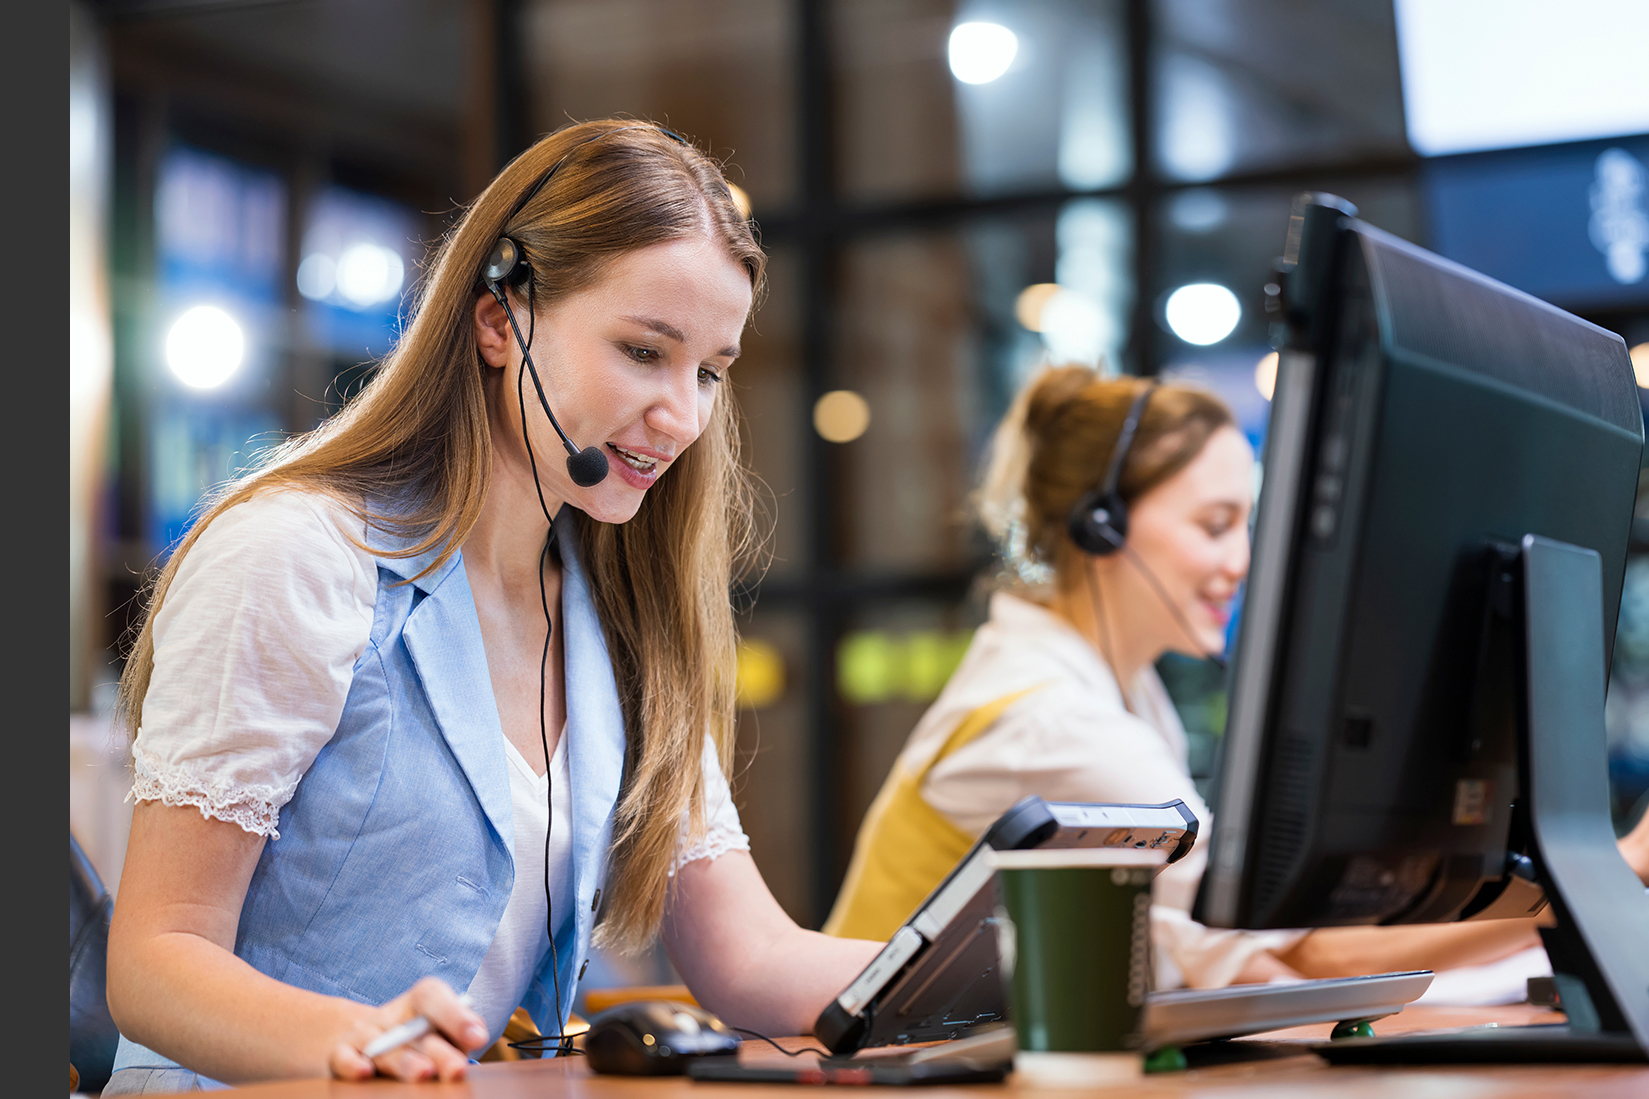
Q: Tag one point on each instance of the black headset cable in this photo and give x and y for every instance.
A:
(564, 1040)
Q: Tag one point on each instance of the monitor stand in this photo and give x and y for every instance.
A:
(1600, 945)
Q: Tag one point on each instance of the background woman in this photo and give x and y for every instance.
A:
(419, 706)
(1057, 694)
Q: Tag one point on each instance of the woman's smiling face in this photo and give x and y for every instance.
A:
(1191, 532)
(631, 364)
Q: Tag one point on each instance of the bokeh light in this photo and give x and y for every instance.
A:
(981, 52)
(1074, 328)
(841, 416)
(1203, 313)
(760, 674)
(874, 666)
(1265, 375)
(741, 199)
(1031, 301)
(1640, 364)
(369, 274)
(204, 347)
(317, 276)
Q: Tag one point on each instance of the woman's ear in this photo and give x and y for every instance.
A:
(493, 337)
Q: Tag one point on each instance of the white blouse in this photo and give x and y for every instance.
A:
(523, 933)
(254, 653)
(1075, 739)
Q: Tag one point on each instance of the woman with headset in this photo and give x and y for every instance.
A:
(1057, 695)
(420, 708)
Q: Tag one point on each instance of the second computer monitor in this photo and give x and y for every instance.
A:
(1425, 420)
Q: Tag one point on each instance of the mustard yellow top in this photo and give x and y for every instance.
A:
(905, 847)
(1081, 737)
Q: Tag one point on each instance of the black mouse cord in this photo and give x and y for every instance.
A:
(539, 1044)
(781, 1049)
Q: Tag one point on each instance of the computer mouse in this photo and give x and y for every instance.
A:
(655, 1038)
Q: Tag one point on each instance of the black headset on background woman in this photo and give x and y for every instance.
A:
(1098, 524)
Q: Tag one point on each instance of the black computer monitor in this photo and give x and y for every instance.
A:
(1416, 717)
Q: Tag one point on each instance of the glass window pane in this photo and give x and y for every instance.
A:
(912, 122)
(768, 385)
(719, 71)
(1244, 85)
(891, 663)
(219, 297)
(359, 255)
(937, 330)
(908, 344)
(773, 777)
(1229, 237)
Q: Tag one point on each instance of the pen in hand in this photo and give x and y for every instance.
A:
(409, 1031)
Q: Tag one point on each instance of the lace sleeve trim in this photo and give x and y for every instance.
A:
(717, 841)
(253, 808)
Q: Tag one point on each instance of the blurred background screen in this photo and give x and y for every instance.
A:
(953, 192)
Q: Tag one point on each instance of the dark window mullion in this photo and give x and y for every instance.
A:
(815, 142)
(1142, 189)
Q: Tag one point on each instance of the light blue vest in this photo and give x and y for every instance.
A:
(396, 855)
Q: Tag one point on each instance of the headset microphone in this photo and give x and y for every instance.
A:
(506, 265)
(1217, 659)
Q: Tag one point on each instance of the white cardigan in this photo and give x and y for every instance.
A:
(1076, 740)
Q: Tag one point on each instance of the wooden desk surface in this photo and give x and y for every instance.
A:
(1280, 1068)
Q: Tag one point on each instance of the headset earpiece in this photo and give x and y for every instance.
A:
(506, 265)
(1099, 523)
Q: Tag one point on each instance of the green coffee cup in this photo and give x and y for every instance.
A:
(1074, 927)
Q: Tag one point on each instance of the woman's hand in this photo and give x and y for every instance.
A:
(1355, 951)
(440, 1054)
(176, 985)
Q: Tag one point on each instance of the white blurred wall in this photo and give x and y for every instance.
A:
(91, 358)
(97, 772)
(99, 816)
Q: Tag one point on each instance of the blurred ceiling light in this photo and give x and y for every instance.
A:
(368, 274)
(981, 52)
(1203, 313)
(1198, 210)
(740, 199)
(1265, 375)
(1030, 303)
(1640, 364)
(204, 347)
(317, 276)
(1074, 328)
(841, 416)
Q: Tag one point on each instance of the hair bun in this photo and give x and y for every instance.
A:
(1051, 392)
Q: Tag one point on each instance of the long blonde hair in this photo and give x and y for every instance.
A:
(418, 436)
